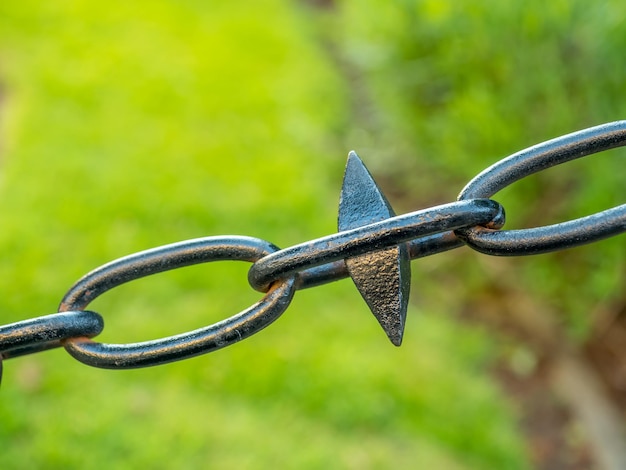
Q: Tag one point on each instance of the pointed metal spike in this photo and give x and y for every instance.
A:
(383, 277)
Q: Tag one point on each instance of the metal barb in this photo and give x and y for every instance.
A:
(382, 277)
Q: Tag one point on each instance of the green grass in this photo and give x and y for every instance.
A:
(130, 125)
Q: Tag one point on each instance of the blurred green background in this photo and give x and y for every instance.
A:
(128, 125)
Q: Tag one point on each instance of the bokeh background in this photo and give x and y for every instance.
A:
(128, 125)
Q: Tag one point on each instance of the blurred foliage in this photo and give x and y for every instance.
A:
(127, 125)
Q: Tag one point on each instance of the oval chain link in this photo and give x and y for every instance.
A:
(540, 157)
(189, 344)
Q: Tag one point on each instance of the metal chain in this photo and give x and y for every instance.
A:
(373, 247)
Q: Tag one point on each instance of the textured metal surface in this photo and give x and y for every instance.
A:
(540, 157)
(382, 277)
(373, 247)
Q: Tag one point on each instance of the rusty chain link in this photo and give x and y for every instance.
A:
(373, 247)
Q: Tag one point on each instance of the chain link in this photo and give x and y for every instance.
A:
(165, 258)
(47, 332)
(540, 157)
(372, 247)
(372, 237)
